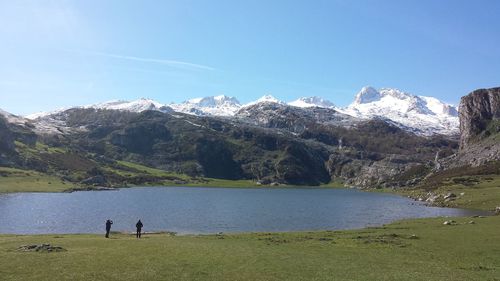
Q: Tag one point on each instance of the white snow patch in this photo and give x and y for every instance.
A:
(14, 119)
(425, 114)
(214, 105)
(306, 102)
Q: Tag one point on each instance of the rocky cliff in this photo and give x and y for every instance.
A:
(479, 114)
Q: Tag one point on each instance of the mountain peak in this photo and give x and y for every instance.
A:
(139, 105)
(264, 99)
(225, 98)
(314, 101)
(3, 112)
(395, 93)
(11, 118)
(213, 105)
(439, 107)
(212, 101)
(425, 115)
(268, 98)
(367, 94)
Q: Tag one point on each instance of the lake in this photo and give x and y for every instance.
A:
(192, 210)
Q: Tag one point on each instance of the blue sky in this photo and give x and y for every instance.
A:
(61, 53)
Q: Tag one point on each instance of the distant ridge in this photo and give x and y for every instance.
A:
(419, 114)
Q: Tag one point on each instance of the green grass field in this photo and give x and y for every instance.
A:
(423, 249)
(479, 192)
(151, 171)
(15, 180)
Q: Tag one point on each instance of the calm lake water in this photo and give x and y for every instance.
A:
(207, 210)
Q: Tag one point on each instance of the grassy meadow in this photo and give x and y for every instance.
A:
(16, 180)
(422, 249)
(472, 192)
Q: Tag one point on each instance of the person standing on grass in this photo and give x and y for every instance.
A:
(108, 227)
(139, 226)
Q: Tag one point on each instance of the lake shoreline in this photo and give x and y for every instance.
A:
(444, 219)
(403, 191)
(484, 195)
(415, 194)
(199, 210)
(363, 254)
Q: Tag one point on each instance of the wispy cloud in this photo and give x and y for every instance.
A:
(173, 63)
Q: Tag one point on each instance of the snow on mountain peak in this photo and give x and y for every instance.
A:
(426, 115)
(423, 115)
(366, 95)
(439, 107)
(216, 101)
(268, 98)
(139, 105)
(262, 100)
(4, 113)
(11, 118)
(221, 105)
(224, 98)
(305, 102)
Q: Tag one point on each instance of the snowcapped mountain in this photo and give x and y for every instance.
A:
(11, 118)
(265, 99)
(260, 105)
(423, 115)
(306, 102)
(419, 114)
(133, 106)
(139, 105)
(52, 123)
(43, 114)
(215, 105)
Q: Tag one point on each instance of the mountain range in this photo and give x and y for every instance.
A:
(419, 114)
(384, 138)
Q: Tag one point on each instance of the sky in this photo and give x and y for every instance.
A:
(56, 54)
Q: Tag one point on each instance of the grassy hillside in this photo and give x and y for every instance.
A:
(16, 180)
(409, 250)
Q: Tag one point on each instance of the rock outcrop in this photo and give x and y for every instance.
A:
(479, 113)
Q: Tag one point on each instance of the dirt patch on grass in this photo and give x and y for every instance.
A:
(384, 239)
(42, 248)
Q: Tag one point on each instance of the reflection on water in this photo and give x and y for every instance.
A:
(207, 210)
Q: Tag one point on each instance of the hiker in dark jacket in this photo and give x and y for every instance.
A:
(139, 226)
(108, 227)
